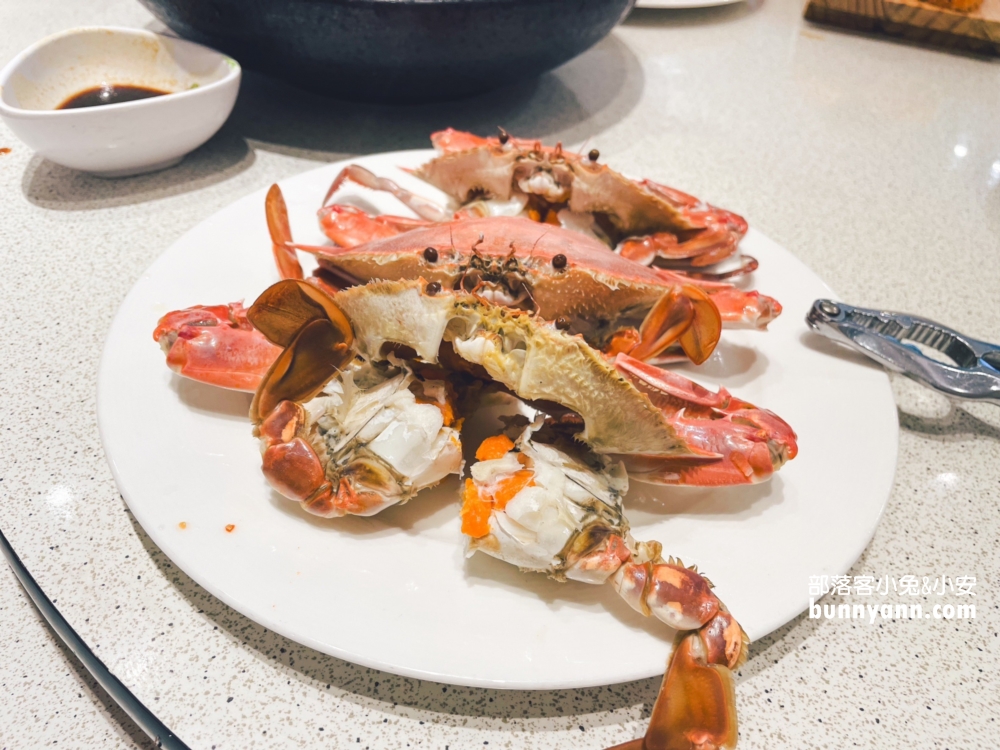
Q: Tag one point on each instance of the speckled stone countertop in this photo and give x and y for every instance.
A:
(876, 162)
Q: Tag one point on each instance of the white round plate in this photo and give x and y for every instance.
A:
(666, 4)
(396, 592)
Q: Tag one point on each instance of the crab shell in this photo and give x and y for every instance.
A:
(586, 282)
(531, 358)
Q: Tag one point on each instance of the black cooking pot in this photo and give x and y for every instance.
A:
(395, 50)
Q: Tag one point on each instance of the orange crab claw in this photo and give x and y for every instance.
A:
(710, 245)
(736, 442)
(450, 141)
(348, 226)
(714, 235)
(215, 345)
(456, 140)
(696, 707)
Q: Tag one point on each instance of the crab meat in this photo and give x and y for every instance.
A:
(365, 440)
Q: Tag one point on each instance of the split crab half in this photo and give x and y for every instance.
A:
(358, 412)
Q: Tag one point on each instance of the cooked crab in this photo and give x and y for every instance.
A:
(335, 439)
(562, 275)
(507, 176)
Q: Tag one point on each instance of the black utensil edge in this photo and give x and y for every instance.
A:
(142, 716)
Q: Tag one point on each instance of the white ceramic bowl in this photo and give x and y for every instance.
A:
(115, 140)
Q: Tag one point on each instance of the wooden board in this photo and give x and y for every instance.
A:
(917, 21)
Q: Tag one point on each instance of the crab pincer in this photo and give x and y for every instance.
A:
(749, 443)
(216, 345)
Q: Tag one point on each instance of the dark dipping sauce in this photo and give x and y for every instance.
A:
(109, 93)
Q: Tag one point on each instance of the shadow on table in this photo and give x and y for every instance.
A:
(929, 413)
(60, 188)
(584, 96)
(957, 424)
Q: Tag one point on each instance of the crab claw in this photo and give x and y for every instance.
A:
(715, 236)
(452, 140)
(215, 345)
(748, 444)
(696, 706)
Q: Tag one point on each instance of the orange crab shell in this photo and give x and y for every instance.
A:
(566, 273)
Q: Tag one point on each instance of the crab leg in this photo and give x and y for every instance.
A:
(750, 443)
(545, 507)
(215, 345)
(685, 315)
(422, 207)
(696, 706)
(348, 226)
(719, 232)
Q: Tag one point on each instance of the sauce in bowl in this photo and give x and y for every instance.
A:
(109, 93)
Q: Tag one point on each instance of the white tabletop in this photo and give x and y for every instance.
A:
(876, 162)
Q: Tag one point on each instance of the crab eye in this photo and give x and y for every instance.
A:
(559, 261)
(594, 154)
(430, 255)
